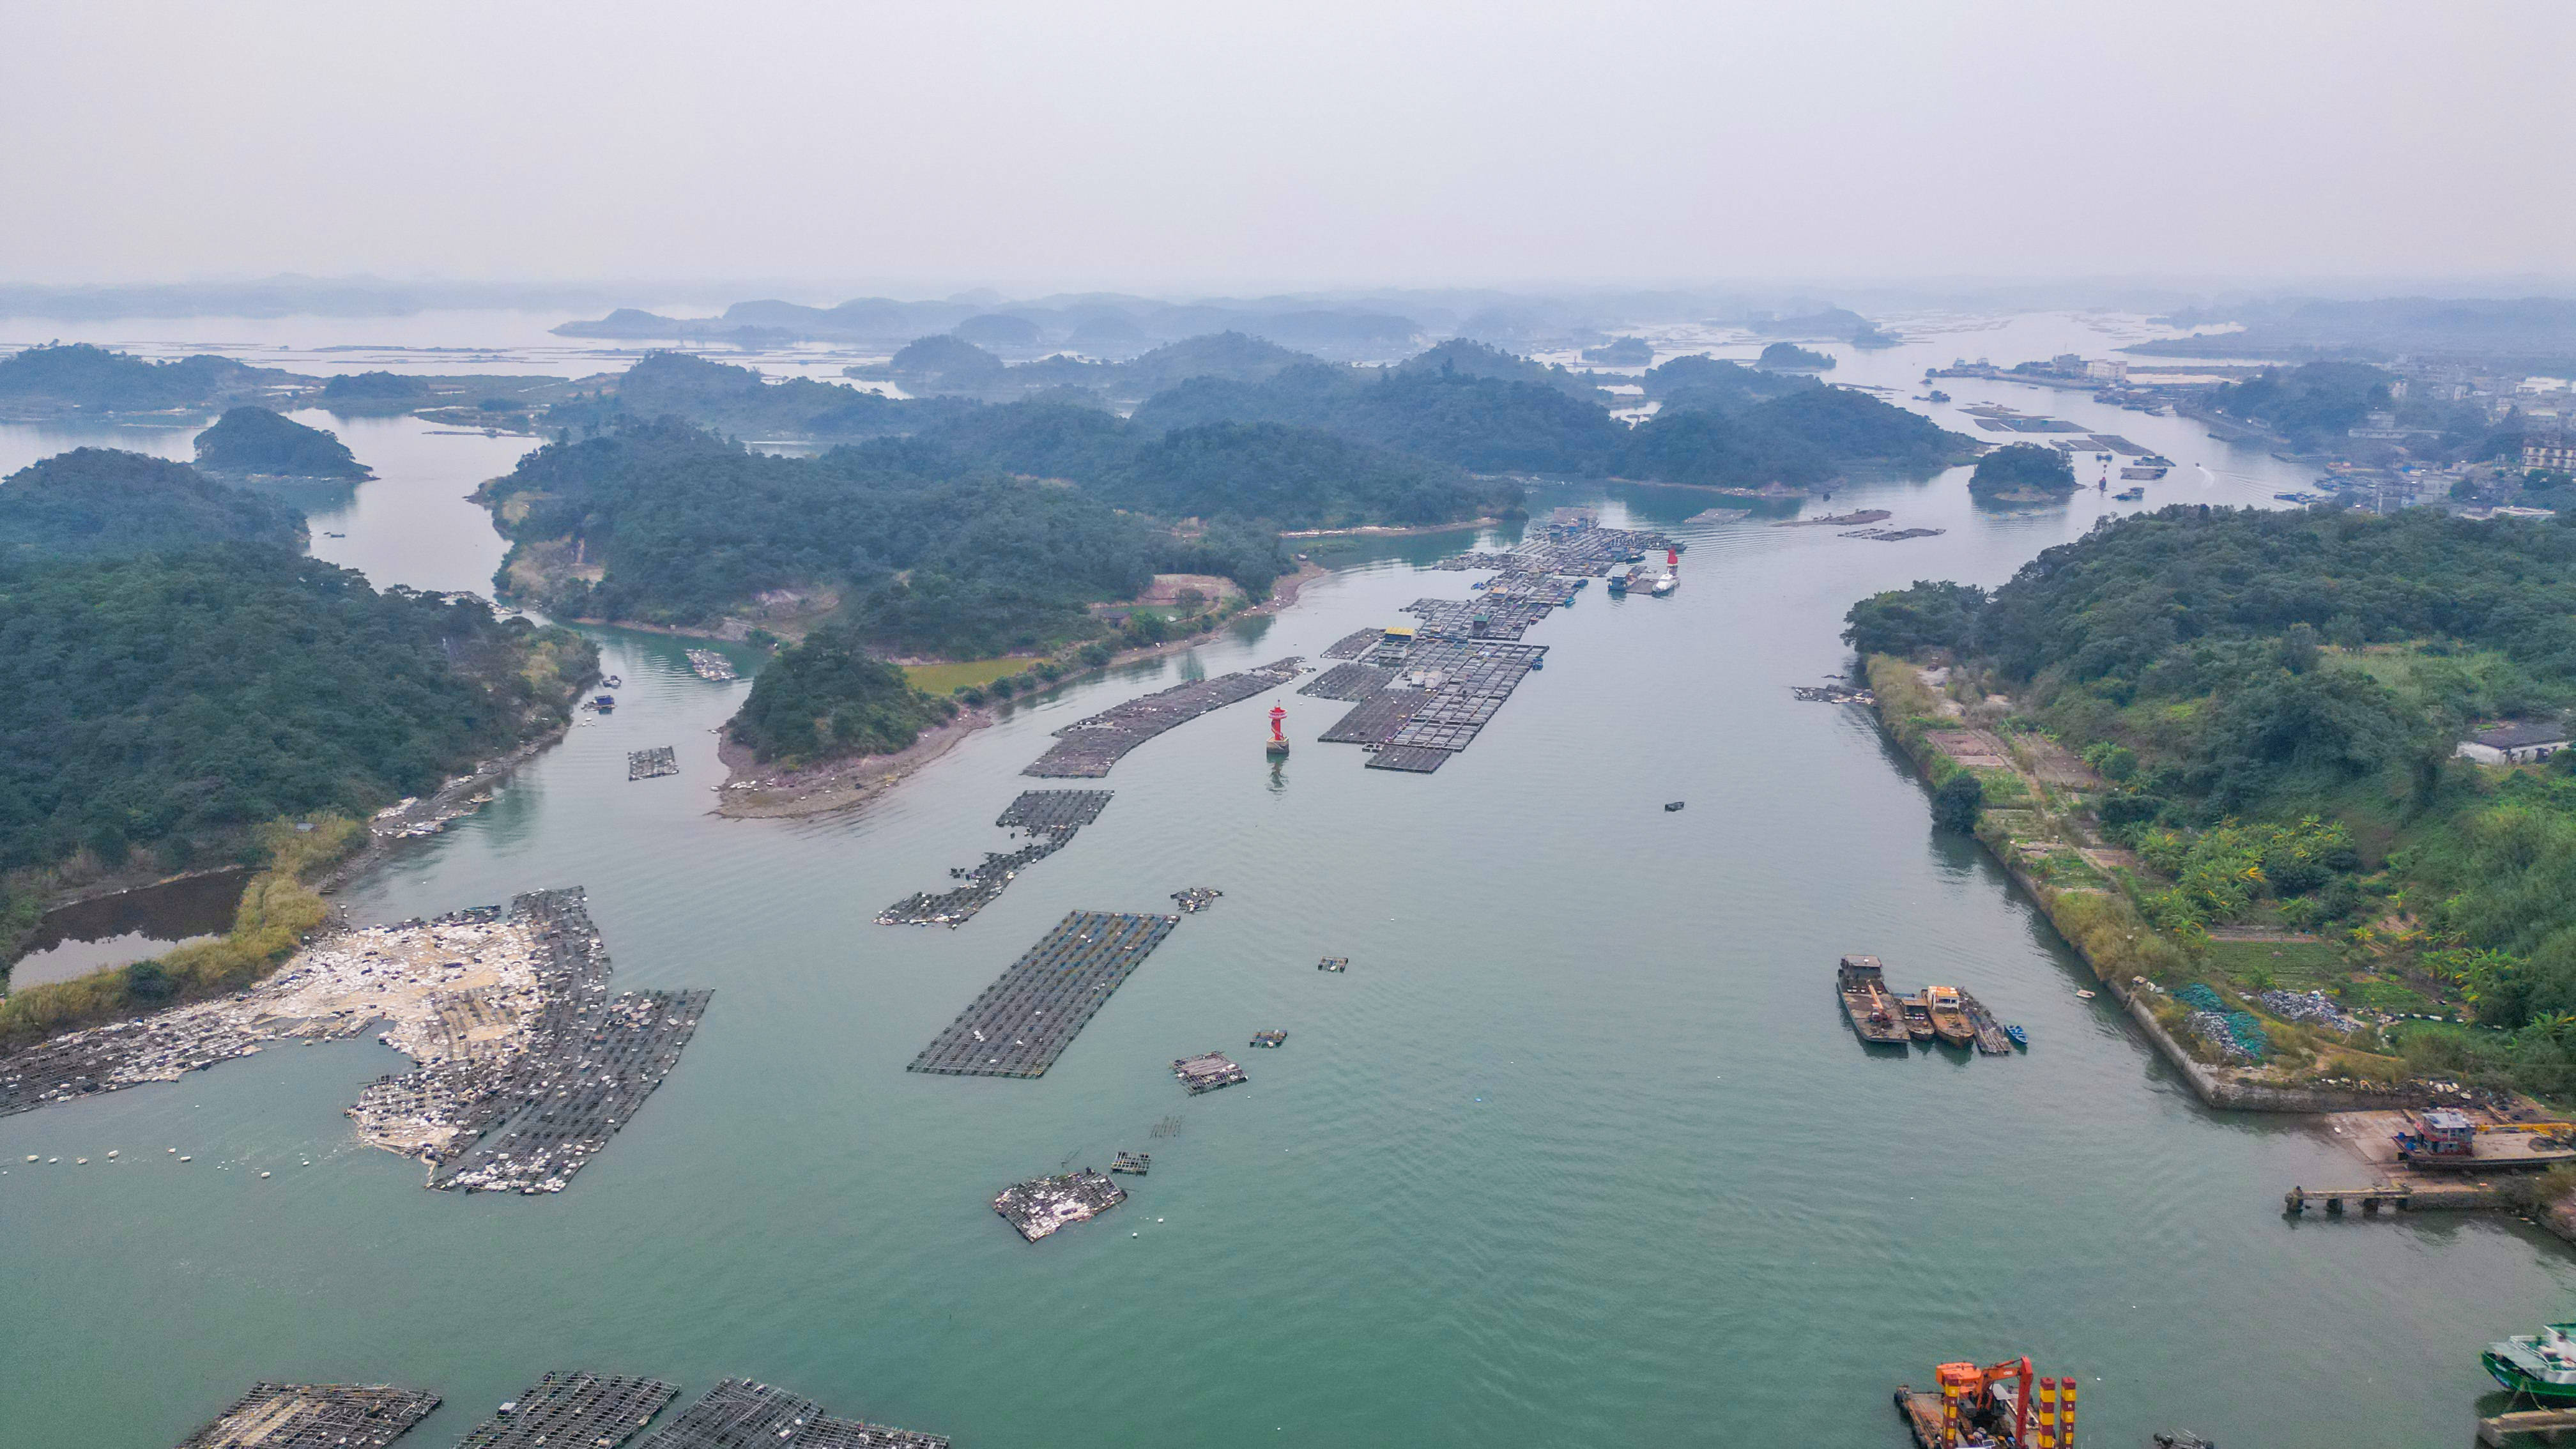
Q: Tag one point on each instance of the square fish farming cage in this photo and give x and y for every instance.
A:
(1027, 1017)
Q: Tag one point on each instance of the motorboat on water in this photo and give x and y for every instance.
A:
(2536, 1365)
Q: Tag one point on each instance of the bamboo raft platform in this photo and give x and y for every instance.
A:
(2492, 1432)
(1028, 1016)
(1208, 1072)
(315, 1416)
(1991, 1040)
(739, 1414)
(1051, 817)
(595, 1411)
(653, 763)
(1089, 748)
(1042, 1205)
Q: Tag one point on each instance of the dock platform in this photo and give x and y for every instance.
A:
(315, 1416)
(1042, 1205)
(1027, 1017)
(2548, 1423)
(1207, 1072)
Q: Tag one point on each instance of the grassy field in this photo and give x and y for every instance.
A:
(947, 678)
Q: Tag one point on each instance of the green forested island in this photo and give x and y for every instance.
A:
(827, 695)
(170, 703)
(665, 523)
(2022, 473)
(258, 441)
(1489, 424)
(1790, 357)
(2272, 701)
(103, 501)
(1798, 439)
(79, 377)
(737, 400)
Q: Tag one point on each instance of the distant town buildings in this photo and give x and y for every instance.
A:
(2558, 452)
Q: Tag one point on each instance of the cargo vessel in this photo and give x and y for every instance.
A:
(1871, 1006)
(1949, 1017)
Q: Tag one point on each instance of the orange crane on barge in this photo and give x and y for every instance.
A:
(2000, 1405)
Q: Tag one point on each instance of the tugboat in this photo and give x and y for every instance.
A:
(1918, 1016)
(2537, 1365)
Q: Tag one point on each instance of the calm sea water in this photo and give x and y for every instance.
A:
(1578, 1152)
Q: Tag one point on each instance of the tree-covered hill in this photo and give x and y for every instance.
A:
(102, 501)
(1798, 439)
(828, 696)
(1708, 384)
(2313, 405)
(2022, 473)
(172, 702)
(78, 375)
(738, 401)
(1790, 357)
(2241, 675)
(1489, 424)
(1459, 357)
(256, 440)
(673, 525)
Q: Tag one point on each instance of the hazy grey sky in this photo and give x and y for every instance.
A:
(1039, 146)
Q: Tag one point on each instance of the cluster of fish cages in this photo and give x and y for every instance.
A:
(1348, 682)
(315, 1416)
(1353, 644)
(590, 1063)
(1582, 551)
(1207, 1071)
(1087, 748)
(1194, 899)
(1052, 818)
(1543, 590)
(707, 664)
(739, 1413)
(1054, 810)
(570, 1410)
(1134, 1163)
(653, 763)
(1430, 702)
(1042, 1205)
(593, 1411)
(1025, 1019)
(1483, 618)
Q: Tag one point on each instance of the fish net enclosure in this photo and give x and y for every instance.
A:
(1088, 748)
(1051, 817)
(315, 1416)
(1027, 1017)
(653, 763)
(2238, 1034)
(597, 1411)
(743, 1414)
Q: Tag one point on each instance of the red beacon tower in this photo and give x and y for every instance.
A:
(1278, 742)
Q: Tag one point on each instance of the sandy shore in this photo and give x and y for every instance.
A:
(752, 793)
